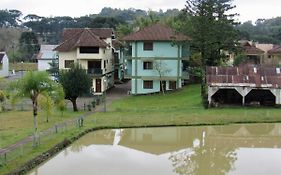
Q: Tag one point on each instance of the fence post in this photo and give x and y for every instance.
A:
(5, 158)
(56, 129)
(82, 121)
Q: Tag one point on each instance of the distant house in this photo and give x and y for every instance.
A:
(92, 49)
(254, 54)
(262, 54)
(4, 65)
(266, 58)
(244, 85)
(46, 56)
(274, 55)
(156, 54)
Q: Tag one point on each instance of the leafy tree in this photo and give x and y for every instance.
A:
(105, 22)
(239, 59)
(28, 45)
(10, 18)
(142, 22)
(2, 100)
(161, 68)
(33, 85)
(75, 82)
(123, 30)
(211, 28)
(32, 17)
(47, 104)
(263, 31)
(54, 68)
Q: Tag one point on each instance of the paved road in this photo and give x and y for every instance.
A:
(115, 93)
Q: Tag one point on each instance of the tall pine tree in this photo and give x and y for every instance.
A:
(211, 26)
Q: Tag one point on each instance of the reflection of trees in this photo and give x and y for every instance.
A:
(203, 160)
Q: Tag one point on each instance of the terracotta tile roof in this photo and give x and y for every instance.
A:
(79, 38)
(155, 32)
(275, 50)
(251, 49)
(102, 33)
(244, 76)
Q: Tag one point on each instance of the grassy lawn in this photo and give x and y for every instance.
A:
(23, 66)
(179, 108)
(16, 125)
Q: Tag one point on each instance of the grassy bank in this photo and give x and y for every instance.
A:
(176, 109)
(23, 66)
(16, 125)
(181, 108)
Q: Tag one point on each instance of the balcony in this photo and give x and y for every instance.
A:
(94, 71)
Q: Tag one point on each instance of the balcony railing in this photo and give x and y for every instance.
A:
(94, 71)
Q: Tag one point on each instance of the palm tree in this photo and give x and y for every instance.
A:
(33, 85)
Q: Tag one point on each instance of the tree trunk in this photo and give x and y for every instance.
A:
(74, 104)
(35, 109)
(161, 84)
(204, 94)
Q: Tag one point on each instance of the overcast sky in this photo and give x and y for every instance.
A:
(248, 9)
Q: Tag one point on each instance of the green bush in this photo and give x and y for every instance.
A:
(239, 59)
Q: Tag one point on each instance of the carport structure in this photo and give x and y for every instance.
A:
(244, 85)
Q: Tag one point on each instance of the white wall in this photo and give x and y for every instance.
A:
(44, 65)
(4, 72)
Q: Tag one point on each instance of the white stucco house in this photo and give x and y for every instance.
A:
(92, 48)
(4, 65)
(46, 56)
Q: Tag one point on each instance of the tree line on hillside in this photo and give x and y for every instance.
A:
(22, 46)
(49, 28)
(263, 31)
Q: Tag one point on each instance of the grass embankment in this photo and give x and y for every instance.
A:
(23, 66)
(182, 108)
(179, 108)
(17, 125)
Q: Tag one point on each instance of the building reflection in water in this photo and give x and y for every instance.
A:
(211, 150)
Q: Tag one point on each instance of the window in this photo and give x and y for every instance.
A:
(148, 84)
(89, 50)
(68, 63)
(148, 46)
(269, 56)
(1, 65)
(172, 85)
(147, 65)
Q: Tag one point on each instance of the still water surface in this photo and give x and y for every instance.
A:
(213, 150)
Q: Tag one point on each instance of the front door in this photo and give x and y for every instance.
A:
(162, 86)
(98, 85)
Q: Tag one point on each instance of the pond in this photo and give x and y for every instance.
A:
(211, 150)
